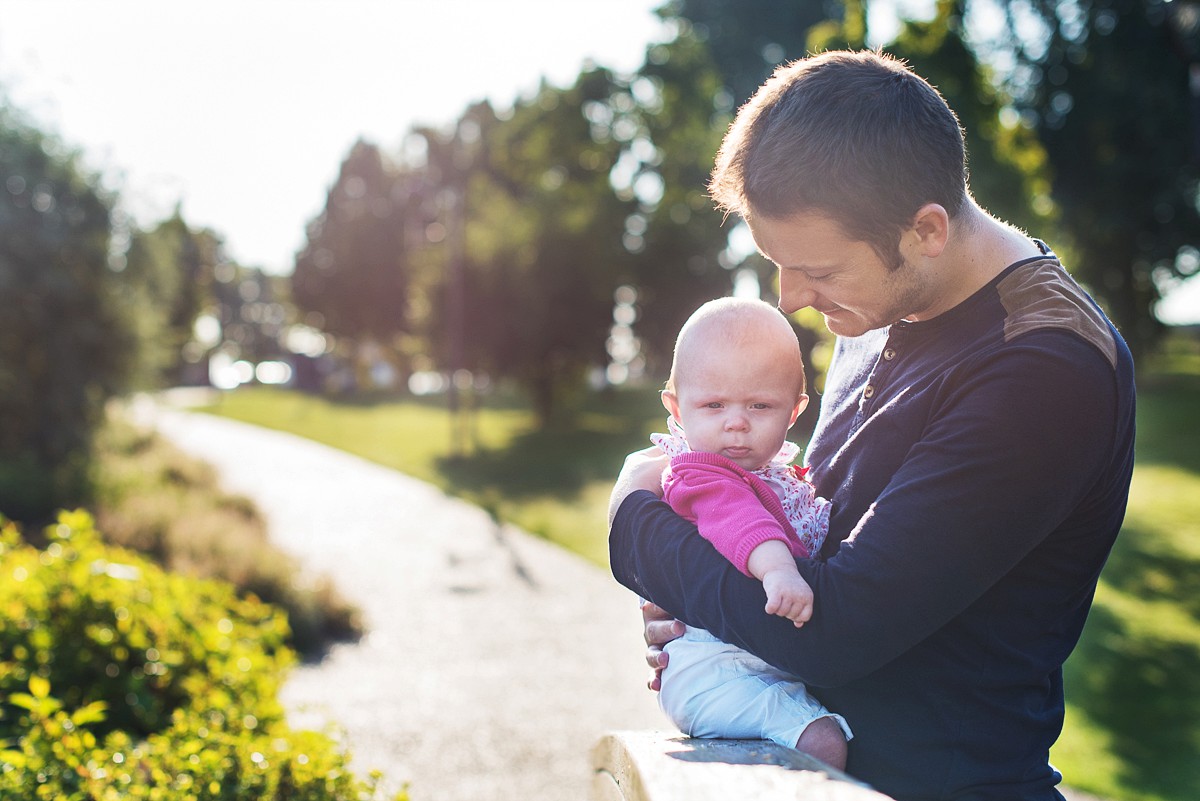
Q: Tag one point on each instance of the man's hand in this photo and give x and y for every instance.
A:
(642, 470)
(788, 595)
(661, 628)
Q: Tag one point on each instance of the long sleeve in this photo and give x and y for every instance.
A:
(734, 510)
(978, 466)
(936, 539)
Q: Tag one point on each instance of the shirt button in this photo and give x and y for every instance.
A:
(889, 354)
(869, 391)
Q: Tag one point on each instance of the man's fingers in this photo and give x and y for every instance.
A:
(656, 658)
(660, 629)
(661, 632)
(652, 611)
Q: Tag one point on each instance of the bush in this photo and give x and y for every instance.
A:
(66, 344)
(156, 500)
(123, 681)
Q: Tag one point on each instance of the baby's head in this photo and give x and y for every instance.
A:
(737, 380)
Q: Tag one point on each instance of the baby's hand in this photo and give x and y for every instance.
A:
(788, 595)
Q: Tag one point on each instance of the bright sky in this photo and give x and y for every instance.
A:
(244, 109)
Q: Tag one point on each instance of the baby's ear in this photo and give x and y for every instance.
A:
(801, 405)
(670, 403)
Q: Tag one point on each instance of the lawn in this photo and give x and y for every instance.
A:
(1133, 684)
(1133, 720)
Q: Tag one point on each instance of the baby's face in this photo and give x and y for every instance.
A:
(736, 403)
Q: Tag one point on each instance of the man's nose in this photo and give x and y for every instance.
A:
(794, 292)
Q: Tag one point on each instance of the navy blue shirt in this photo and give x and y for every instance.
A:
(979, 467)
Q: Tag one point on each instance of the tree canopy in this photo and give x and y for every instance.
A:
(505, 243)
(1110, 88)
(65, 343)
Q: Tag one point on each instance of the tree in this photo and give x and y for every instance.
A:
(65, 344)
(1006, 162)
(168, 282)
(353, 272)
(721, 54)
(1106, 88)
(746, 40)
(680, 109)
(543, 241)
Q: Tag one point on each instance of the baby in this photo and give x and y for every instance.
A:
(736, 387)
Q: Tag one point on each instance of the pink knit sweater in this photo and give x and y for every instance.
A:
(734, 509)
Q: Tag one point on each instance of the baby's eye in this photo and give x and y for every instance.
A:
(760, 406)
(713, 405)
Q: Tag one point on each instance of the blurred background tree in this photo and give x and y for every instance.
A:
(67, 343)
(676, 111)
(168, 281)
(1111, 88)
(96, 307)
(519, 245)
(536, 230)
(352, 275)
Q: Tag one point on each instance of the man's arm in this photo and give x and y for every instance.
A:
(642, 471)
(1003, 465)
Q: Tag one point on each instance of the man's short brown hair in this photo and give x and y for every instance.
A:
(855, 136)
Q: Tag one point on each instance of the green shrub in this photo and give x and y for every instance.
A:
(224, 755)
(151, 497)
(119, 680)
(103, 624)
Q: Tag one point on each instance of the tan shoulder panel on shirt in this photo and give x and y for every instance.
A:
(1042, 295)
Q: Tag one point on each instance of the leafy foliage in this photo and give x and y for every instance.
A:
(123, 681)
(103, 624)
(156, 500)
(169, 278)
(682, 108)
(747, 40)
(352, 273)
(65, 343)
(1106, 87)
(543, 240)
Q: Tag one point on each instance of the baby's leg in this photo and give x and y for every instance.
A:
(824, 739)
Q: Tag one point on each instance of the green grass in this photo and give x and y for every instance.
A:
(1133, 684)
(1132, 730)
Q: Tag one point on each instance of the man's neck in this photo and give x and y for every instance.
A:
(980, 248)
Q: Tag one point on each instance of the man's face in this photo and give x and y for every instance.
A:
(842, 278)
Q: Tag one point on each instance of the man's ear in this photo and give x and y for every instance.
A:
(670, 403)
(930, 230)
(801, 405)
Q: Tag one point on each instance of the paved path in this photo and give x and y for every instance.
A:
(493, 661)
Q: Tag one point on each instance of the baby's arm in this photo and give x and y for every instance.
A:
(788, 595)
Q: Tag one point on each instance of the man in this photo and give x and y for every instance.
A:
(975, 439)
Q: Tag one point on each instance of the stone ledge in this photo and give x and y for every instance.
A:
(667, 766)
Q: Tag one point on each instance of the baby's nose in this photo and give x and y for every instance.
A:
(735, 422)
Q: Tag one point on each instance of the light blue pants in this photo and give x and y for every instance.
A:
(713, 689)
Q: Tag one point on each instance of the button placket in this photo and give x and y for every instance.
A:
(878, 376)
